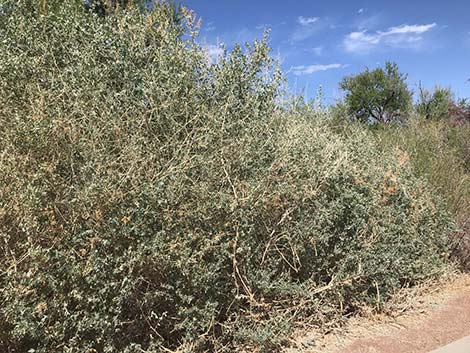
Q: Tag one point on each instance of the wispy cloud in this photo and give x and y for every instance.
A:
(306, 27)
(210, 27)
(361, 10)
(307, 21)
(410, 29)
(318, 51)
(310, 69)
(265, 26)
(399, 36)
(369, 22)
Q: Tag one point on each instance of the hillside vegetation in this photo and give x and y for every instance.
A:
(153, 199)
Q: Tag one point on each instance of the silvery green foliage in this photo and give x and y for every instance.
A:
(151, 200)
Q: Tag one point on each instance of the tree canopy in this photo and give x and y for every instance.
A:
(380, 95)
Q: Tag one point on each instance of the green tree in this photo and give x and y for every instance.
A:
(434, 105)
(380, 95)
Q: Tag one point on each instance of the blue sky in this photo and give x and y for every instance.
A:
(319, 42)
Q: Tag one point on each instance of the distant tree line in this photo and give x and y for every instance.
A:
(382, 95)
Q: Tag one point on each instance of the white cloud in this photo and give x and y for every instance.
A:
(409, 29)
(310, 69)
(307, 27)
(307, 21)
(399, 36)
(361, 10)
(318, 51)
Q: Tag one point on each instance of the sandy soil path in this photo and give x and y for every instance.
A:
(443, 326)
(441, 317)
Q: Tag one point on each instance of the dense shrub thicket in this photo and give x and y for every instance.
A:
(439, 152)
(151, 199)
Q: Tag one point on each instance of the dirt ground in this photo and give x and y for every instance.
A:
(430, 319)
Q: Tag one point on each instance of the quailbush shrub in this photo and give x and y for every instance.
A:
(151, 199)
